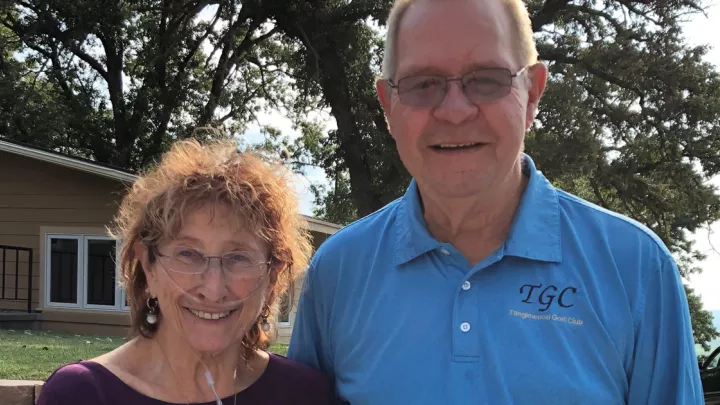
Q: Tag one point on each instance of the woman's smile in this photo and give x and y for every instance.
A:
(210, 317)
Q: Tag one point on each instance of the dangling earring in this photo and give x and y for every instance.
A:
(264, 325)
(152, 305)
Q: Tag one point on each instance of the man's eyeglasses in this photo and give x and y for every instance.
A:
(480, 85)
(186, 260)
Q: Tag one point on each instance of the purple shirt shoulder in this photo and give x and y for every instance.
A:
(283, 382)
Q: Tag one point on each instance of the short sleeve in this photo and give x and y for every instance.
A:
(665, 368)
(308, 343)
(71, 384)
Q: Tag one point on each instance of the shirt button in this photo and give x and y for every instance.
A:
(466, 285)
(444, 251)
(464, 326)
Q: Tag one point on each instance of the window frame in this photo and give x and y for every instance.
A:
(48, 272)
(120, 290)
(714, 356)
(288, 323)
(82, 274)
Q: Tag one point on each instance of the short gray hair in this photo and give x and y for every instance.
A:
(522, 30)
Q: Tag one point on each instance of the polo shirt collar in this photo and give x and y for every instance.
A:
(534, 233)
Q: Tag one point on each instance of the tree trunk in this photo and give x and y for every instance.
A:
(334, 82)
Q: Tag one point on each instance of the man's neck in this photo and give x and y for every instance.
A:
(475, 225)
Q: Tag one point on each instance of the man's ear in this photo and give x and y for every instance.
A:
(384, 92)
(537, 79)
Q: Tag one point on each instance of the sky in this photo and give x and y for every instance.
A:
(700, 30)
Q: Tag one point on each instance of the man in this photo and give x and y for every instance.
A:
(483, 284)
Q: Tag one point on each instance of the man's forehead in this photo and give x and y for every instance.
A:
(438, 35)
(481, 14)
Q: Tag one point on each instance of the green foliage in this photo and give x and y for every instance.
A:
(121, 80)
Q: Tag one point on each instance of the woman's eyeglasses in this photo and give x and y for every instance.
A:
(187, 260)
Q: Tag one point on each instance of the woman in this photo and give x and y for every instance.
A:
(211, 239)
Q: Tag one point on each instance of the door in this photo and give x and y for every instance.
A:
(710, 376)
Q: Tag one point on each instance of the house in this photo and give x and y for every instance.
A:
(57, 267)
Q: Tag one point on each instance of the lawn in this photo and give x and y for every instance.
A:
(30, 355)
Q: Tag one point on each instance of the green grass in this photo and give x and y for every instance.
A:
(30, 355)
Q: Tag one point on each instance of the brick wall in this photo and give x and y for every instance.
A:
(14, 392)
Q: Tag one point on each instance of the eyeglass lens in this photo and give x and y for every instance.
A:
(480, 85)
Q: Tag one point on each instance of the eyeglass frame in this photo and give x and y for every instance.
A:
(447, 79)
(207, 258)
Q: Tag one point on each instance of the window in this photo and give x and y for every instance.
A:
(284, 313)
(713, 363)
(81, 272)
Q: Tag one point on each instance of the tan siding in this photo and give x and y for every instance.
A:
(30, 228)
(20, 305)
(86, 322)
(11, 217)
(57, 202)
(14, 239)
(36, 194)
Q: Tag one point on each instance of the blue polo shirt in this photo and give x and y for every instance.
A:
(579, 306)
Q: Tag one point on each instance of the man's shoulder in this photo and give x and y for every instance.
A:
(363, 231)
(283, 366)
(587, 217)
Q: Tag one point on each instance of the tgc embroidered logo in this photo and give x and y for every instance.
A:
(548, 296)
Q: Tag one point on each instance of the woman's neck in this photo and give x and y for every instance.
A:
(179, 363)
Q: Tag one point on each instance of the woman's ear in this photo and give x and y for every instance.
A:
(275, 269)
(142, 255)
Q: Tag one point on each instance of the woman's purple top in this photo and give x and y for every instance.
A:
(88, 383)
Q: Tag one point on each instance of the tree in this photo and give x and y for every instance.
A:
(132, 76)
(26, 94)
(338, 53)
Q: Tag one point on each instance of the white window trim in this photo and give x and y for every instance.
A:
(85, 305)
(282, 324)
(121, 292)
(48, 283)
(81, 275)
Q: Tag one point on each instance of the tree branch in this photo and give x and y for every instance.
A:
(77, 51)
(560, 57)
(263, 81)
(54, 32)
(192, 50)
(355, 11)
(627, 4)
(229, 60)
(548, 13)
(579, 10)
(306, 41)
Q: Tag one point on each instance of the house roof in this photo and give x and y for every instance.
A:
(84, 165)
(108, 171)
